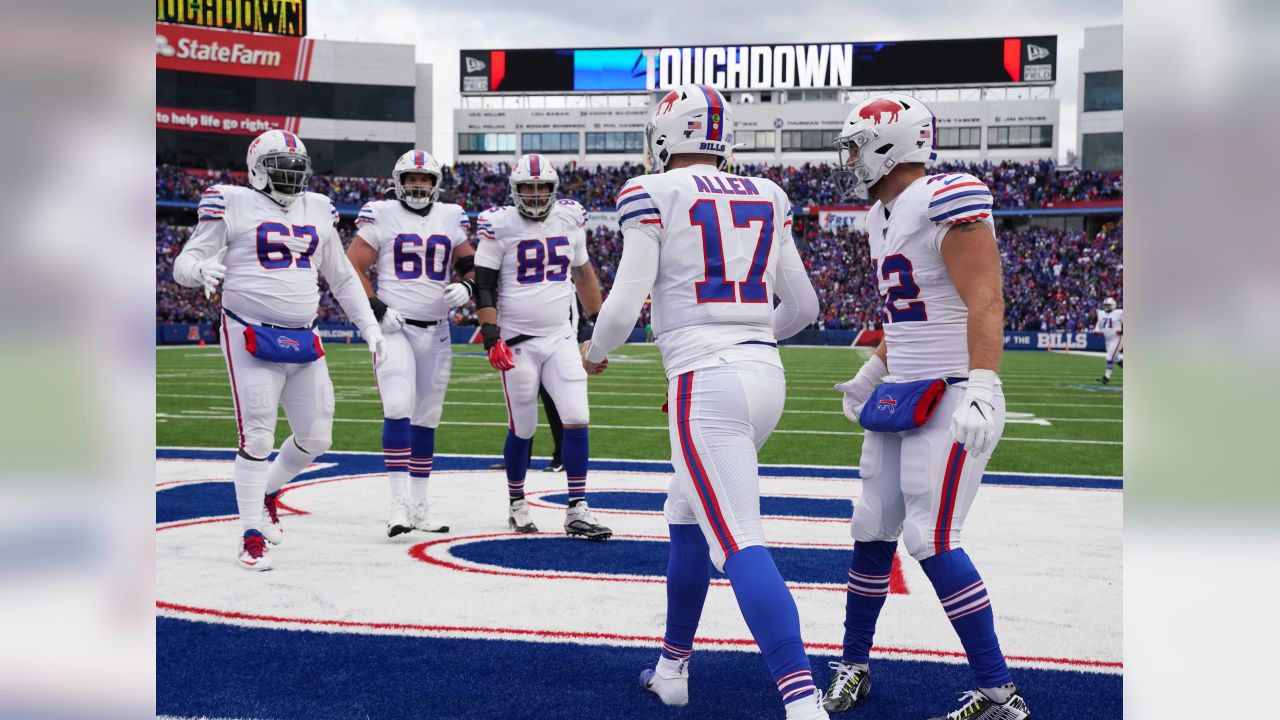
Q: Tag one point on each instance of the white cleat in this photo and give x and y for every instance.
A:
(253, 552)
(518, 517)
(272, 530)
(807, 708)
(580, 522)
(401, 520)
(670, 690)
(422, 519)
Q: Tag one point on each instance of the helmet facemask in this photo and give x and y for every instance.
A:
(417, 195)
(852, 177)
(534, 199)
(287, 175)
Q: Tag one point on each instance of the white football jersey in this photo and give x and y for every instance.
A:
(720, 237)
(273, 252)
(414, 254)
(925, 321)
(1110, 323)
(533, 259)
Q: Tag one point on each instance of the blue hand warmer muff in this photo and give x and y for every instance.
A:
(895, 407)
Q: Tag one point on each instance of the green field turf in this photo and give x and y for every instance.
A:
(1083, 432)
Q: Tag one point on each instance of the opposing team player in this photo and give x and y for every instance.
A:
(527, 254)
(265, 243)
(714, 249)
(1111, 325)
(417, 243)
(931, 426)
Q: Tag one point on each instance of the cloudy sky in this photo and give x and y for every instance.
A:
(440, 29)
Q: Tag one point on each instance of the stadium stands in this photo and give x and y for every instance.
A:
(477, 186)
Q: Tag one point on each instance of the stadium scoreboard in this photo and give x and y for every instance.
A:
(276, 17)
(914, 63)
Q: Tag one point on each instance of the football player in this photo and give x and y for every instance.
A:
(934, 256)
(266, 244)
(527, 255)
(1111, 325)
(714, 249)
(416, 243)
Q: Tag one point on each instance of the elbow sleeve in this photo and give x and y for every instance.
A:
(464, 265)
(486, 287)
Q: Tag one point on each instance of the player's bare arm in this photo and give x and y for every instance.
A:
(973, 259)
(362, 256)
(587, 286)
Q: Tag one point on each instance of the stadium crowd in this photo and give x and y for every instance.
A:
(1054, 279)
(477, 186)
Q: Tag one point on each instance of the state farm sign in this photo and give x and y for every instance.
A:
(222, 52)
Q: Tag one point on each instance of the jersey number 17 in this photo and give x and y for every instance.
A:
(714, 286)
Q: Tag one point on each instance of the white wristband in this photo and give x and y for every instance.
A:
(873, 369)
(982, 384)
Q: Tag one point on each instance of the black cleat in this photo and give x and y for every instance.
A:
(850, 684)
(977, 706)
(554, 466)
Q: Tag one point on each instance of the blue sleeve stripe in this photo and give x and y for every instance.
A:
(960, 211)
(204, 204)
(949, 198)
(638, 213)
(633, 198)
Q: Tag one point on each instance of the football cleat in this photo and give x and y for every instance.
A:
(401, 520)
(807, 708)
(253, 552)
(579, 522)
(850, 684)
(518, 517)
(977, 706)
(554, 466)
(1104, 380)
(272, 530)
(422, 519)
(670, 690)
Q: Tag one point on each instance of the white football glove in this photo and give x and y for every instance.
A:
(392, 321)
(858, 390)
(377, 343)
(210, 272)
(974, 422)
(456, 294)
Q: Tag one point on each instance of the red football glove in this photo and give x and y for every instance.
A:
(500, 357)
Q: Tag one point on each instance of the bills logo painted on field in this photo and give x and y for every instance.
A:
(448, 597)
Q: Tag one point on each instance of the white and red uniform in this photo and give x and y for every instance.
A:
(274, 257)
(536, 299)
(713, 249)
(920, 484)
(1111, 325)
(415, 263)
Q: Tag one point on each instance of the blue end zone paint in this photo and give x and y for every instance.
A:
(185, 502)
(646, 558)
(216, 670)
(769, 504)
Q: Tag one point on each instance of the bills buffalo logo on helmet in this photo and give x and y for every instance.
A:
(876, 109)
